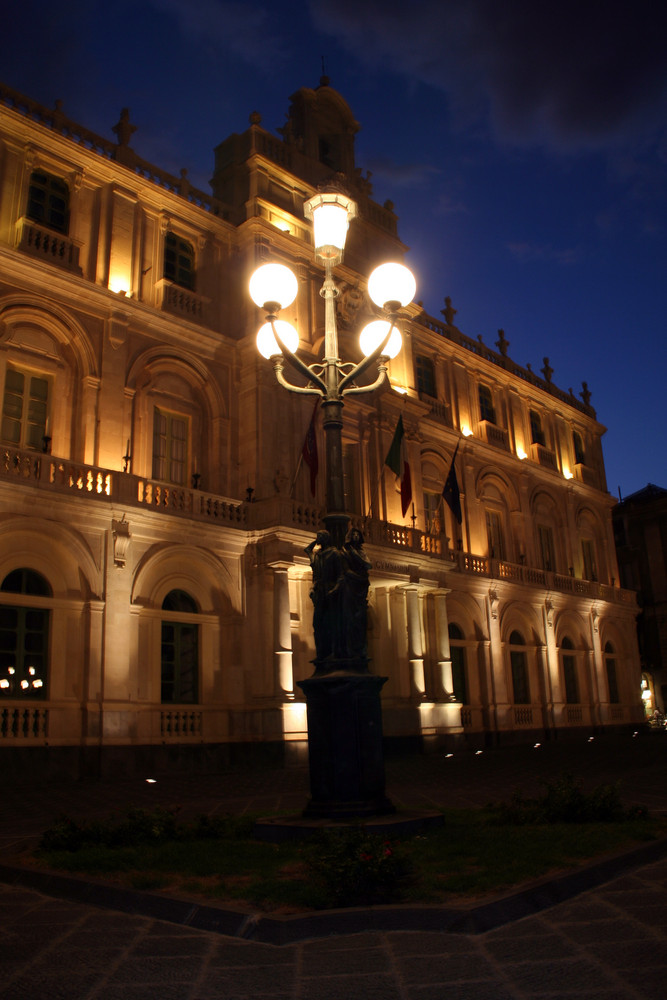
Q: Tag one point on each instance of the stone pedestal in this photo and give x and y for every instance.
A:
(345, 746)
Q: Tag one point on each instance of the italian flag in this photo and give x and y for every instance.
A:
(397, 460)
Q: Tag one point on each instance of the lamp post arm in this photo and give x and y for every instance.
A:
(280, 378)
(366, 363)
(299, 365)
(374, 385)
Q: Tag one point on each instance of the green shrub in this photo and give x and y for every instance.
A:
(353, 867)
(565, 802)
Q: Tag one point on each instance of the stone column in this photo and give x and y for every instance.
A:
(415, 643)
(282, 632)
(444, 681)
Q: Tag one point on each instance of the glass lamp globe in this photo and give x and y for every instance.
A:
(273, 285)
(331, 213)
(268, 346)
(392, 283)
(374, 333)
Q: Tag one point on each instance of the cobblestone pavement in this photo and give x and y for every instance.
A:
(608, 942)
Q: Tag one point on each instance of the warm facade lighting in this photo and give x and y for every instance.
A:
(466, 431)
(520, 453)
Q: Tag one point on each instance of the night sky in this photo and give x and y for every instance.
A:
(523, 143)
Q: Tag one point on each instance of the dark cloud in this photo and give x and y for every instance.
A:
(571, 73)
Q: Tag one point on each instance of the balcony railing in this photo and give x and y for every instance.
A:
(46, 472)
(181, 301)
(494, 435)
(39, 241)
(543, 456)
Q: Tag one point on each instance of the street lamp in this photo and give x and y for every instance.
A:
(342, 696)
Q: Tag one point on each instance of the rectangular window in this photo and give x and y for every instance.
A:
(570, 678)
(494, 531)
(588, 552)
(612, 681)
(520, 685)
(180, 663)
(170, 446)
(425, 376)
(547, 552)
(536, 432)
(25, 408)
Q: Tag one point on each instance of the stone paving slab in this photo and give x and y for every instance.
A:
(603, 938)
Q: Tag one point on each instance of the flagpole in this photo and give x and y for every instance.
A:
(298, 469)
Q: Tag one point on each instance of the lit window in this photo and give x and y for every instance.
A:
(24, 633)
(179, 261)
(48, 201)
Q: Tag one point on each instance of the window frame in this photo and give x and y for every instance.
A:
(185, 630)
(425, 376)
(487, 409)
(172, 270)
(42, 212)
(28, 440)
(23, 680)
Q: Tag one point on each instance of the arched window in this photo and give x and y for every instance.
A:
(179, 261)
(536, 431)
(570, 672)
(48, 201)
(519, 666)
(458, 655)
(425, 376)
(179, 658)
(486, 408)
(612, 680)
(24, 638)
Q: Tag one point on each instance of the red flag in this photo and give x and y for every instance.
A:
(309, 450)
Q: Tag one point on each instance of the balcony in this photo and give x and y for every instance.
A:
(543, 456)
(45, 244)
(59, 476)
(586, 475)
(182, 302)
(494, 435)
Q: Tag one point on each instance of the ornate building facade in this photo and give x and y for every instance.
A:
(154, 590)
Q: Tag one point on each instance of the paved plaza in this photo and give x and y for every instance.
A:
(599, 933)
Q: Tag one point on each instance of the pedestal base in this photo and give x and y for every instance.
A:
(345, 746)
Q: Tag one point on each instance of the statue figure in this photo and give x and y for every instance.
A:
(326, 563)
(339, 595)
(354, 604)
